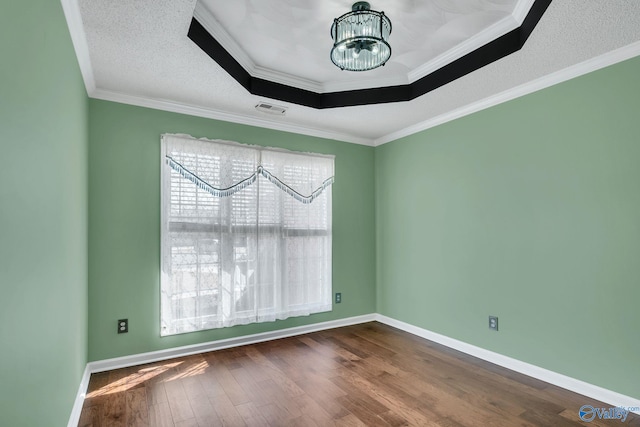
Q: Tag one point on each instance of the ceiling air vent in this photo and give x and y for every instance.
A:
(271, 109)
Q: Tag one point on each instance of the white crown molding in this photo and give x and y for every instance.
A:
(599, 393)
(213, 26)
(500, 28)
(568, 73)
(521, 10)
(79, 39)
(285, 79)
(272, 122)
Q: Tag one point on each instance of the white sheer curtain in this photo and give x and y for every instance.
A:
(246, 234)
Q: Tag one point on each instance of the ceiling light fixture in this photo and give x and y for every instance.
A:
(360, 39)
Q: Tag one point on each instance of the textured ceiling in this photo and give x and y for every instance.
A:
(138, 52)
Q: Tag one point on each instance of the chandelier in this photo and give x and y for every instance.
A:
(360, 39)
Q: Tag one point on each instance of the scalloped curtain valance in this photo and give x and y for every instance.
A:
(229, 191)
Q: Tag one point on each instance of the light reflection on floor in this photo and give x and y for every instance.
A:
(147, 373)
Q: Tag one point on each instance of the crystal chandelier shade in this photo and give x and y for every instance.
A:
(360, 39)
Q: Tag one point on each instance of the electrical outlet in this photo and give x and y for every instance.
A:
(338, 297)
(123, 326)
(493, 323)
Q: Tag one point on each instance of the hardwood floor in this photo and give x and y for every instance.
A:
(368, 374)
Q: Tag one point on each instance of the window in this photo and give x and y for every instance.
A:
(246, 234)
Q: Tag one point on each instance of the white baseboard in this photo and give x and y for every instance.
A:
(595, 392)
(572, 384)
(155, 356)
(74, 419)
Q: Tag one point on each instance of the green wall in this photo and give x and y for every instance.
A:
(43, 216)
(124, 225)
(529, 211)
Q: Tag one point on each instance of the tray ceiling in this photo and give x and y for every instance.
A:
(289, 41)
(138, 52)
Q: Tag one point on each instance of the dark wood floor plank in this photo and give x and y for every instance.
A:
(325, 394)
(464, 384)
(275, 415)
(349, 420)
(255, 393)
(254, 370)
(282, 399)
(329, 358)
(137, 409)
(275, 374)
(280, 361)
(232, 389)
(191, 422)
(226, 411)
(114, 410)
(251, 415)
(97, 382)
(448, 422)
(91, 416)
(363, 375)
(454, 386)
(361, 410)
(178, 400)
(356, 341)
(156, 393)
(193, 387)
(203, 410)
(160, 415)
(548, 419)
(401, 405)
(360, 394)
(319, 386)
(300, 360)
(229, 358)
(209, 382)
(340, 353)
(309, 407)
